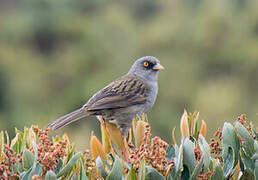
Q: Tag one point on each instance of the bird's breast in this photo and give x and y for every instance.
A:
(151, 98)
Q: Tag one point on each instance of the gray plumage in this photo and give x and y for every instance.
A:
(120, 101)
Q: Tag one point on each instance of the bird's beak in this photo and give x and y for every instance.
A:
(158, 67)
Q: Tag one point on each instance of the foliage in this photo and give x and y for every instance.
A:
(55, 54)
(232, 153)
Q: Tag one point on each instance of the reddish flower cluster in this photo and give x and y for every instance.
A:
(90, 164)
(137, 154)
(218, 134)
(197, 154)
(215, 145)
(205, 175)
(157, 154)
(48, 152)
(154, 155)
(8, 159)
(242, 119)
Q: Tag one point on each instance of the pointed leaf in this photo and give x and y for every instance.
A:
(69, 165)
(179, 159)
(50, 175)
(132, 173)
(248, 143)
(36, 170)
(197, 169)
(101, 168)
(117, 170)
(142, 170)
(170, 153)
(248, 162)
(230, 139)
(153, 174)
(26, 176)
(228, 161)
(58, 166)
(218, 173)
(82, 172)
(27, 159)
(205, 148)
(188, 157)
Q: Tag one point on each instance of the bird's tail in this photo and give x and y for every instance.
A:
(67, 119)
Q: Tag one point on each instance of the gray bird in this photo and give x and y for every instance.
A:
(120, 101)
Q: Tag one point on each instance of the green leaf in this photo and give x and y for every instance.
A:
(170, 153)
(185, 174)
(197, 169)
(82, 172)
(218, 173)
(27, 159)
(228, 161)
(117, 170)
(101, 168)
(132, 173)
(173, 175)
(230, 139)
(179, 159)
(26, 176)
(69, 165)
(248, 162)
(142, 169)
(50, 175)
(246, 176)
(256, 168)
(153, 174)
(36, 170)
(188, 157)
(205, 148)
(248, 143)
(58, 166)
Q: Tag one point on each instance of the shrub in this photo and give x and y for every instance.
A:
(231, 154)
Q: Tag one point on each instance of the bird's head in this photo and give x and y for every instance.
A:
(146, 67)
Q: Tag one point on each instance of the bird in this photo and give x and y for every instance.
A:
(123, 99)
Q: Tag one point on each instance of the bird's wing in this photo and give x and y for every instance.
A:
(126, 91)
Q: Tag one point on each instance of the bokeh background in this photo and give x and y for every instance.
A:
(54, 54)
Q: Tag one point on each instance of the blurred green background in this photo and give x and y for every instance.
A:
(55, 54)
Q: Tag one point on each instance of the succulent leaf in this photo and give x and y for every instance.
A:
(205, 148)
(27, 159)
(188, 154)
(69, 165)
(228, 161)
(197, 169)
(218, 172)
(248, 143)
(153, 174)
(117, 170)
(230, 139)
(101, 168)
(50, 175)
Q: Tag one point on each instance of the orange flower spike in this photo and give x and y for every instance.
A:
(173, 135)
(203, 129)
(184, 126)
(96, 148)
(105, 138)
(139, 133)
(115, 135)
(134, 126)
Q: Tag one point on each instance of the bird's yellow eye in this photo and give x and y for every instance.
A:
(146, 64)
